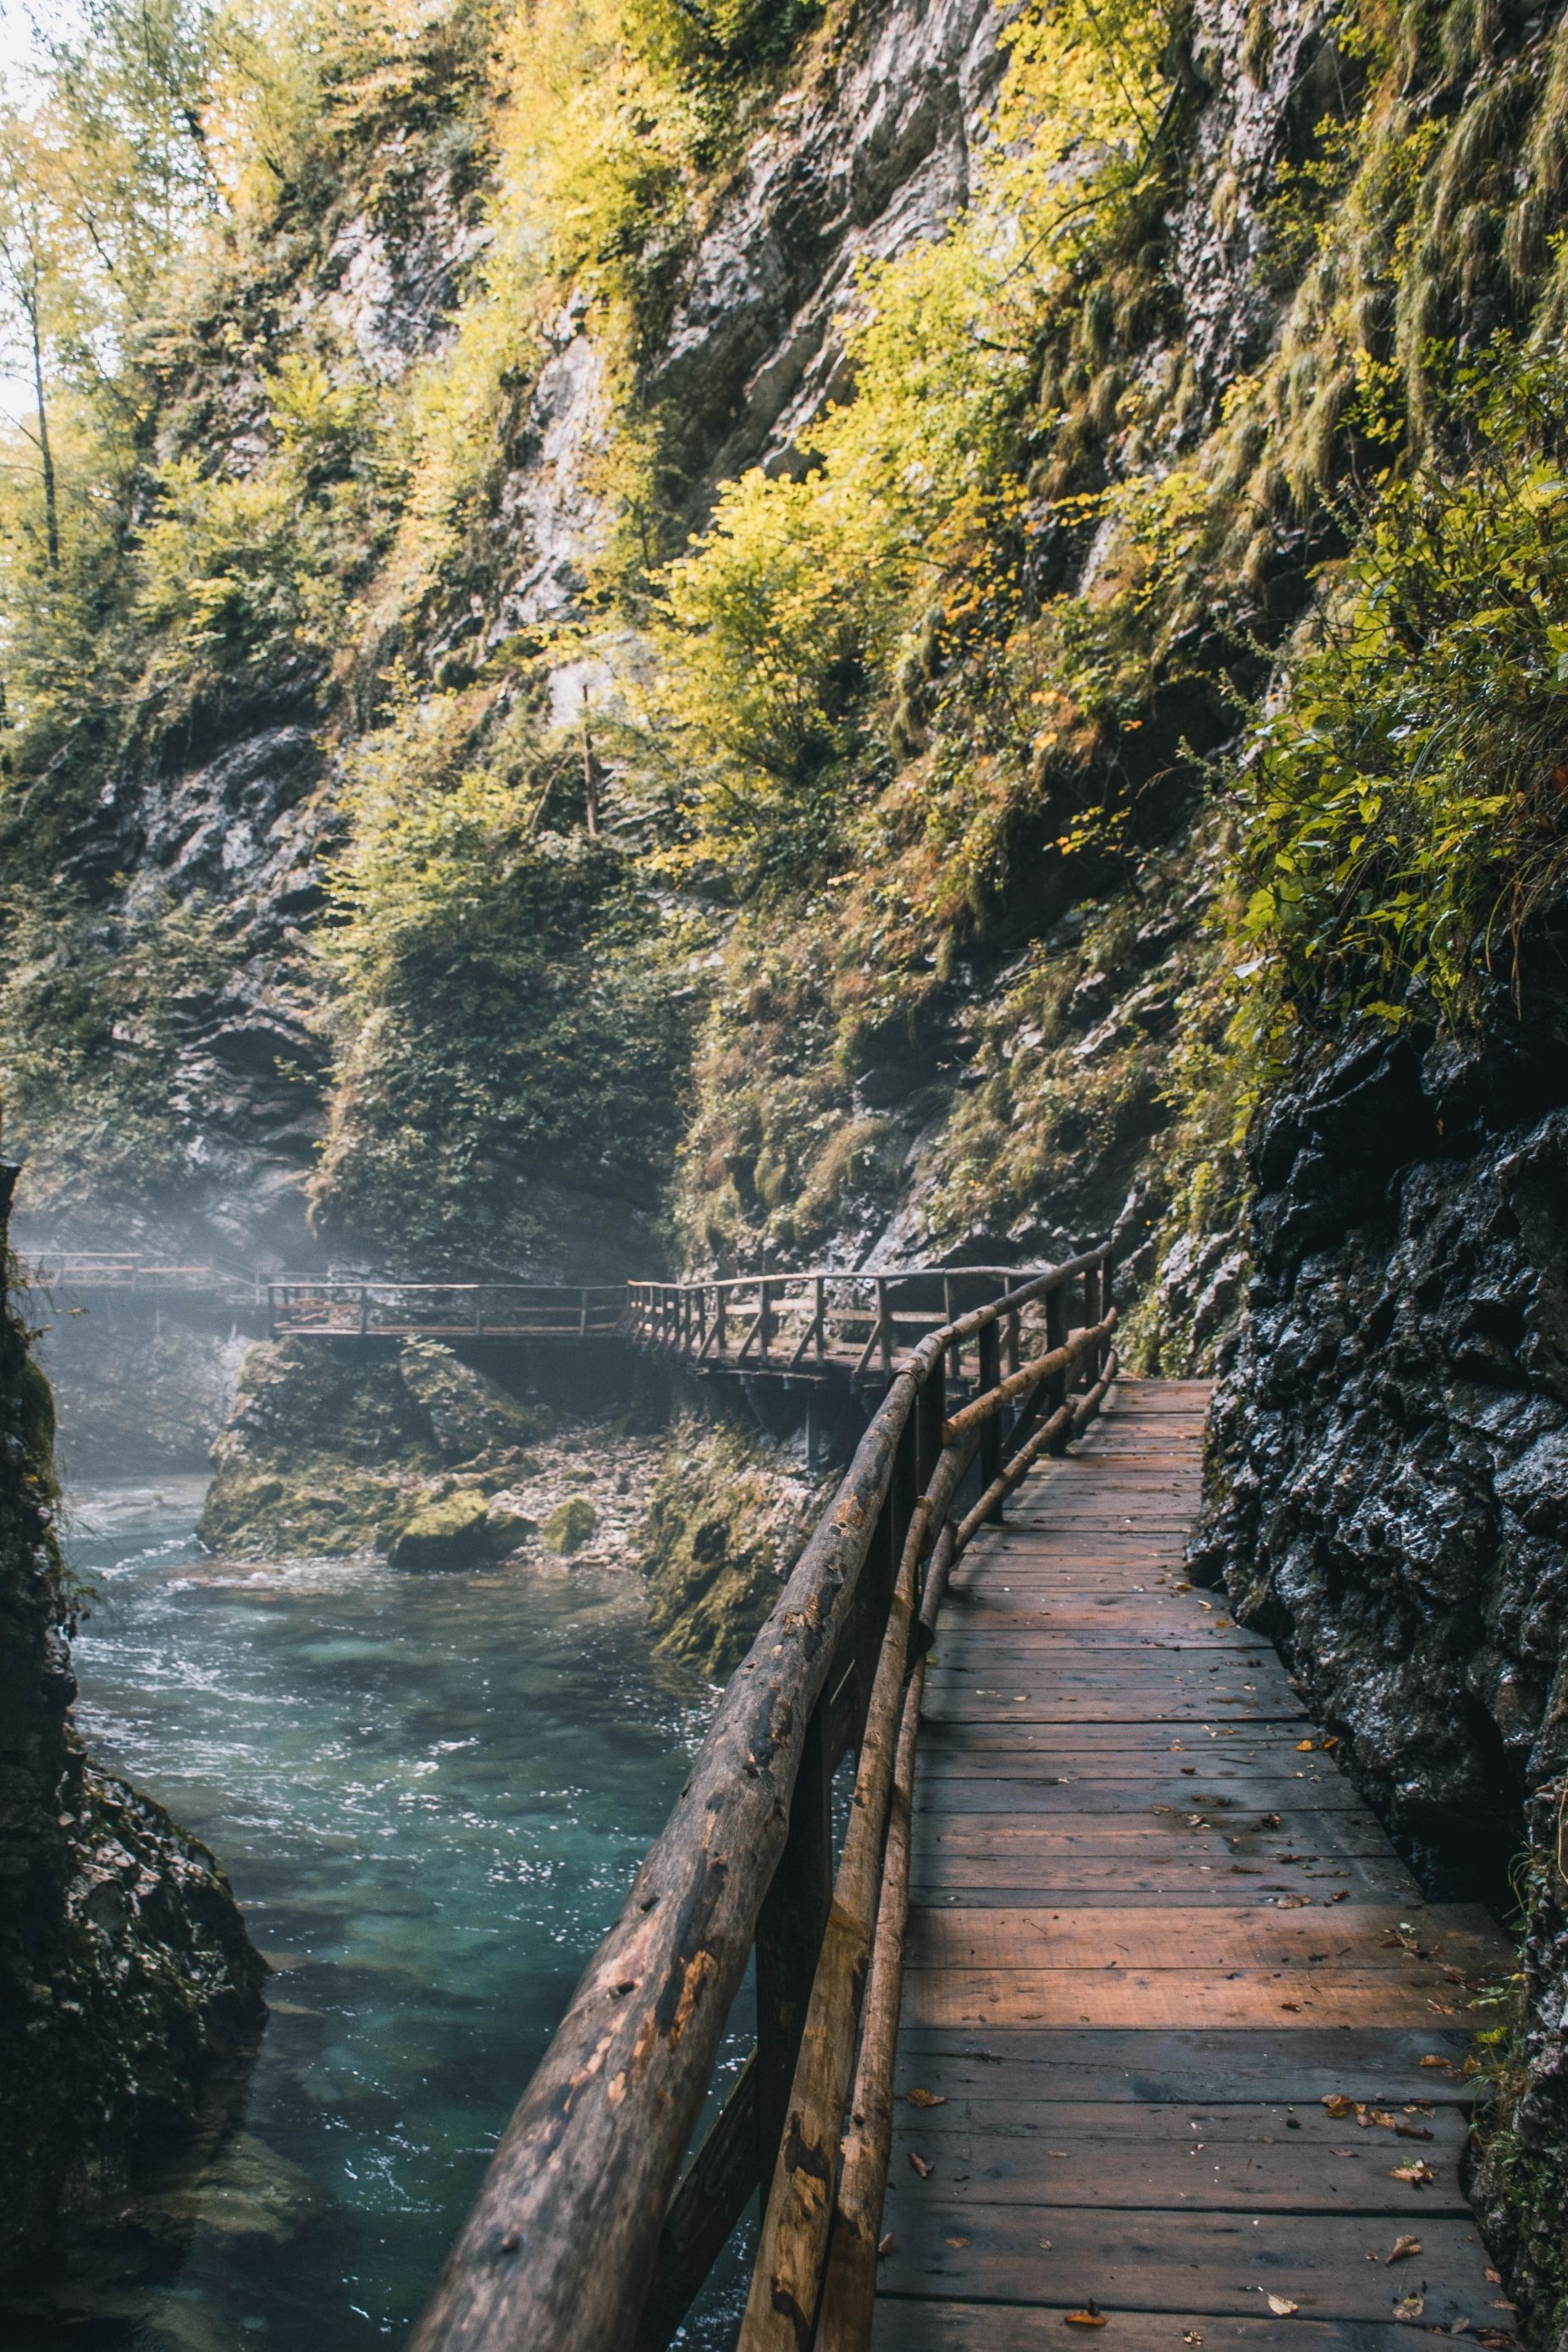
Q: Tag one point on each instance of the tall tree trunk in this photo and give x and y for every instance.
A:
(51, 515)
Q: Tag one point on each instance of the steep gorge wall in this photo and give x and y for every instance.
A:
(1389, 1477)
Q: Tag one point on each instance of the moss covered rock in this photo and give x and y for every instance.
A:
(468, 1413)
(569, 1524)
(728, 1517)
(450, 1532)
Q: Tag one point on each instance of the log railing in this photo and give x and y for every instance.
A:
(804, 1325)
(585, 2236)
(308, 1307)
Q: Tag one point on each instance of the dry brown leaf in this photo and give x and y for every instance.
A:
(1417, 2172)
(884, 2244)
(1294, 2005)
(957, 2241)
(921, 2166)
(918, 2099)
(1340, 1893)
(1281, 2306)
(1403, 2247)
(1338, 2106)
(1303, 1747)
(1447, 2063)
(1191, 2335)
(1494, 2278)
(1409, 2308)
(1090, 2316)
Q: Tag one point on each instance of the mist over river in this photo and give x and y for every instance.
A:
(431, 1793)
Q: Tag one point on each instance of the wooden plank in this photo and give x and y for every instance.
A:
(1301, 2065)
(983, 2165)
(1331, 2268)
(1137, 1792)
(910, 2324)
(981, 1879)
(996, 1998)
(1135, 2126)
(1355, 1937)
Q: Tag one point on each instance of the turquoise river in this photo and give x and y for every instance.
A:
(431, 1794)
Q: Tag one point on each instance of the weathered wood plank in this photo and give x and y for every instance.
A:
(982, 2165)
(1331, 2267)
(1356, 1936)
(993, 1997)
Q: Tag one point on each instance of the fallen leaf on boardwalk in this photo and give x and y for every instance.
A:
(1090, 2316)
(956, 2242)
(1338, 1896)
(1418, 2172)
(918, 2099)
(1338, 2106)
(1330, 1743)
(1291, 2004)
(1281, 2306)
(1223, 1623)
(1294, 1902)
(1303, 1747)
(1191, 2335)
(1188, 1770)
(1409, 2131)
(1447, 2063)
(1494, 2278)
(1268, 1820)
(1056, 2151)
(1244, 1870)
(921, 2166)
(1403, 2247)
(1409, 2307)
(884, 2244)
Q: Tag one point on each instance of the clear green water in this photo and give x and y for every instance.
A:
(431, 1794)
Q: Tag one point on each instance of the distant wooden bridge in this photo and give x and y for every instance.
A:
(1066, 2027)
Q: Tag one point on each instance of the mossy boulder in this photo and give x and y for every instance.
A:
(468, 1415)
(728, 1517)
(450, 1532)
(569, 1525)
(510, 1526)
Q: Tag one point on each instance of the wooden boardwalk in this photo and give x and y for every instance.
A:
(1178, 2035)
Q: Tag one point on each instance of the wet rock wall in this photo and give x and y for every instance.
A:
(1389, 1472)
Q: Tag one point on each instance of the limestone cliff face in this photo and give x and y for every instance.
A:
(1390, 1471)
(125, 1970)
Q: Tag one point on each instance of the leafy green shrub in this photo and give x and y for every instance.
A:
(1406, 807)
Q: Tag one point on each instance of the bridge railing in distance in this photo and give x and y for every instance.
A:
(801, 1326)
(586, 2235)
(127, 1271)
(312, 1306)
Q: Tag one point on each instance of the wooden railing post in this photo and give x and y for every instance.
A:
(720, 1298)
(988, 1348)
(884, 1327)
(1091, 1317)
(931, 1412)
(764, 1317)
(789, 1936)
(364, 1308)
(1056, 1337)
(1013, 1358)
(820, 1315)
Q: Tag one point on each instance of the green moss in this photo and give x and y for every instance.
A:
(569, 1525)
(725, 1523)
(451, 1532)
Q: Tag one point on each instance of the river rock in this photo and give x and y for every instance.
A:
(569, 1525)
(470, 1414)
(453, 1532)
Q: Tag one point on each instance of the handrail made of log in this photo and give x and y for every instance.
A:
(800, 1324)
(320, 1307)
(584, 2236)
